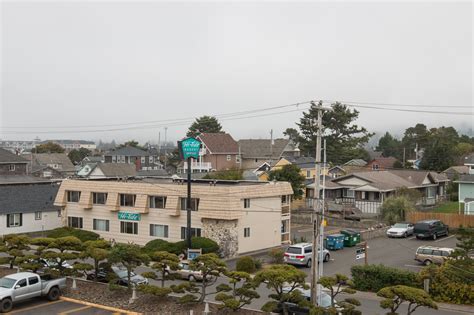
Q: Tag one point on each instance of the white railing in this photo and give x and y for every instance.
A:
(202, 166)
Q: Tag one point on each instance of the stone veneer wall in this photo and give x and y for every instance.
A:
(225, 233)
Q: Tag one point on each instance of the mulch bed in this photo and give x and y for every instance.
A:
(99, 293)
(6, 271)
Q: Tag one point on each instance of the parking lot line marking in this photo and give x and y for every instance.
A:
(77, 309)
(36, 306)
(443, 239)
(107, 308)
(415, 266)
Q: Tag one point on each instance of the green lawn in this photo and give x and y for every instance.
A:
(448, 207)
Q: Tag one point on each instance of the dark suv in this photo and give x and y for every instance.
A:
(430, 229)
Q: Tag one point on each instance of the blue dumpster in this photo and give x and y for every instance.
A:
(335, 241)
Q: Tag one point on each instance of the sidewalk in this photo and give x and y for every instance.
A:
(442, 306)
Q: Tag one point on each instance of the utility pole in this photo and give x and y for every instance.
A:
(317, 207)
(321, 226)
(166, 128)
(403, 157)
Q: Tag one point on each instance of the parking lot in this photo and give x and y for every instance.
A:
(60, 307)
(394, 252)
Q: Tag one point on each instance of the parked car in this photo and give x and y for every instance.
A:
(430, 229)
(54, 264)
(26, 285)
(185, 272)
(300, 254)
(118, 274)
(432, 255)
(293, 308)
(401, 230)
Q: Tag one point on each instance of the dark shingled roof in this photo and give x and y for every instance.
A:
(8, 157)
(219, 143)
(28, 198)
(466, 178)
(469, 159)
(262, 148)
(128, 151)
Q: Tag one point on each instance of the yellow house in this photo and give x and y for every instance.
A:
(306, 164)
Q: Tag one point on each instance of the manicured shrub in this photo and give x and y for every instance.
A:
(246, 263)
(277, 255)
(161, 245)
(208, 246)
(375, 277)
(258, 263)
(83, 235)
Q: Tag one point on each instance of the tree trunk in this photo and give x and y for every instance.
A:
(129, 271)
(96, 270)
(163, 275)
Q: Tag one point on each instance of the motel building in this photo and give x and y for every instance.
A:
(241, 216)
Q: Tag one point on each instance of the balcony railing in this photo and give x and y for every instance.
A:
(198, 166)
(285, 209)
(366, 206)
(285, 238)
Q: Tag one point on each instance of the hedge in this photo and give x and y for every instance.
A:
(207, 245)
(83, 235)
(246, 264)
(375, 277)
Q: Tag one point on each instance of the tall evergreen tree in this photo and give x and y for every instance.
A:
(202, 124)
(344, 139)
(390, 146)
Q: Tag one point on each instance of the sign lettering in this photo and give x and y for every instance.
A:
(129, 216)
(189, 148)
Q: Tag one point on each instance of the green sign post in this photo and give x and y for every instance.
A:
(189, 149)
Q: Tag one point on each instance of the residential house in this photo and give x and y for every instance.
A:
(454, 172)
(368, 190)
(142, 160)
(219, 152)
(12, 164)
(26, 204)
(352, 166)
(466, 187)
(51, 165)
(107, 170)
(381, 163)
(241, 216)
(19, 145)
(69, 145)
(255, 152)
(92, 159)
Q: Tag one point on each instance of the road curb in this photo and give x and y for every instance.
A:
(107, 308)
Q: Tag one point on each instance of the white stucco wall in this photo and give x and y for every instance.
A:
(49, 220)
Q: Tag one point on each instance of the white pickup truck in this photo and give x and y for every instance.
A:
(26, 285)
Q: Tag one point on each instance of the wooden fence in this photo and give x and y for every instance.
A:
(451, 219)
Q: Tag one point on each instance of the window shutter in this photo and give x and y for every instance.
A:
(21, 219)
(107, 225)
(151, 229)
(8, 220)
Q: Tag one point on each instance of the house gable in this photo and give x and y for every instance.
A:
(352, 181)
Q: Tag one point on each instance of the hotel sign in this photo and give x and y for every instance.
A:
(129, 216)
(189, 148)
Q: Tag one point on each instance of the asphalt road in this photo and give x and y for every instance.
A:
(60, 307)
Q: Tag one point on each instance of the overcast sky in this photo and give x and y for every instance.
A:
(86, 64)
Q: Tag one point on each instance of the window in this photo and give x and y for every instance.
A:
(21, 283)
(159, 230)
(229, 157)
(247, 232)
(194, 203)
(308, 250)
(150, 160)
(348, 193)
(284, 226)
(74, 222)
(142, 159)
(128, 227)
(436, 253)
(308, 174)
(11, 168)
(237, 158)
(33, 280)
(99, 198)
(14, 219)
(376, 196)
(73, 196)
(157, 202)
(246, 203)
(38, 215)
(431, 192)
(285, 199)
(127, 200)
(375, 167)
(195, 232)
(114, 158)
(100, 225)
